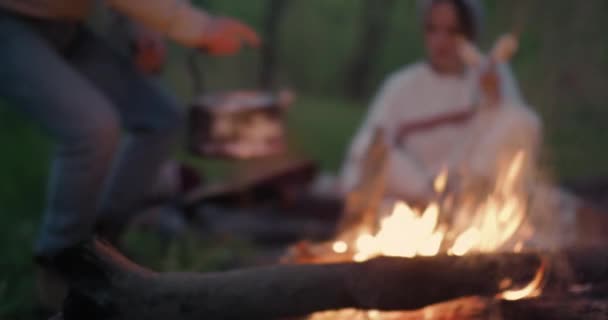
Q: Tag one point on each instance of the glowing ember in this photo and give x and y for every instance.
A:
(441, 182)
(519, 247)
(340, 247)
(533, 289)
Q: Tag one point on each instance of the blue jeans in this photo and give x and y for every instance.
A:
(113, 126)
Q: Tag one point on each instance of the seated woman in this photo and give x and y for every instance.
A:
(442, 114)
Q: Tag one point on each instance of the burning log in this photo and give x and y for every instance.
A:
(576, 287)
(545, 308)
(552, 308)
(106, 286)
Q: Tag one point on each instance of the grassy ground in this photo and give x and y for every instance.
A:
(320, 128)
(24, 158)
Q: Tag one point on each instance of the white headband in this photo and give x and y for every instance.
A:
(474, 7)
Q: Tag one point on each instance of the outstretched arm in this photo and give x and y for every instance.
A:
(189, 26)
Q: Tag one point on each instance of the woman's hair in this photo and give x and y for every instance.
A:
(470, 14)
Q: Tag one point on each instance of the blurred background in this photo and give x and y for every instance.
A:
(334, 55)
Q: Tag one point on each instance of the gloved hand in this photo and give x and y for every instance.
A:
(225, 36)
(188, 25)
(149, 50)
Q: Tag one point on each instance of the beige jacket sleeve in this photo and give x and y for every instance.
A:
(177, 19)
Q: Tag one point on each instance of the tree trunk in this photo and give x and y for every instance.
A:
(375, 22)
(270, 46)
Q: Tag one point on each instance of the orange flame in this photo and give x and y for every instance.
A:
(407, 233)
(492, 224)
(532, 290)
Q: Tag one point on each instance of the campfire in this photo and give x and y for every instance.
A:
(453, 224)
(409, 264)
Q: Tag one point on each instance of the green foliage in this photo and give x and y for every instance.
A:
(23, 171)
(323, 128)
(561, 64)
(191, 252)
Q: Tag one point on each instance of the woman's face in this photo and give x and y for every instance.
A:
(442, 33)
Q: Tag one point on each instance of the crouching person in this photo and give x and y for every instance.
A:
(84, 94)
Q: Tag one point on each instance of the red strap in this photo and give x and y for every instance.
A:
(457, 117)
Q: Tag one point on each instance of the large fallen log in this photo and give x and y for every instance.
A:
(575, 288)
(105, 286)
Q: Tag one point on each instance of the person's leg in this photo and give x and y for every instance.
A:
(152, 118)
(38, 81)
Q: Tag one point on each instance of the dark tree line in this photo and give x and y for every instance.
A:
(271, 31)
(374, 23)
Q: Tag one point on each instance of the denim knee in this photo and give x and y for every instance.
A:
(96, 136)
(173, 119)
(166, 118)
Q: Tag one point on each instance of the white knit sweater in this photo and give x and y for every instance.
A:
(432, 122)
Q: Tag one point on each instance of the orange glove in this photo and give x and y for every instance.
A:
(226, 36)
(489, 82)
(189, 26)
(150, 52)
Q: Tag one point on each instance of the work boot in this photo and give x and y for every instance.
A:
(58, 316)
(51, 288)
(61, 277)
